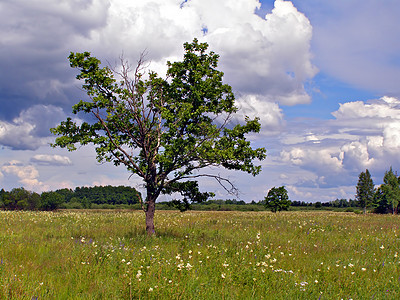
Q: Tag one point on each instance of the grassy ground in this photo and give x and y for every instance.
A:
(199, 255)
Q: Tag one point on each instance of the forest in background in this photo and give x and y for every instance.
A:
(123, 197)
(383, 199)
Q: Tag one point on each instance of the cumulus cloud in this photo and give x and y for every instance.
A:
(27, 174)
(314, 159)
(270, 114)
(260, 56)
(30, 129)
(269, 56)
(362, 135)
(53, 160)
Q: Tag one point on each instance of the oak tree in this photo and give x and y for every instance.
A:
(164, 130)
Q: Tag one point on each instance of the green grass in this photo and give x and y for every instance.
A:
(199, 255)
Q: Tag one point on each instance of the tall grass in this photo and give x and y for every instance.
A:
(199, 255)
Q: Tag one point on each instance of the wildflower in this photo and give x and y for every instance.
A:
(123, 260)
(363, 269)
(382, 247)
(150, 289)
(223, 275)
(139, 273)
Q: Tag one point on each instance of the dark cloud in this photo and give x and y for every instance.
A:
(35, 40)
(30, 129)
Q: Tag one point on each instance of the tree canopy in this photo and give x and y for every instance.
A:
(277, 199)
(365, 190)
(391, 189)
(164, 130)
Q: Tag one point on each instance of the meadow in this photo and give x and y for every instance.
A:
(199, 255)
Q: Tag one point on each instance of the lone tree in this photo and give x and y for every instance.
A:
(277, 199)
(365, 190)
(162, 130)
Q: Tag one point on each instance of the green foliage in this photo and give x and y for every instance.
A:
(388, 195)
(105, 195)
(51, 201)
(380, 202)
(162, 130)
(20, 199)
(365, 190)
(277, 199)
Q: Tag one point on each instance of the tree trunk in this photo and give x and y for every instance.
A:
(151, 207)
(365, 210)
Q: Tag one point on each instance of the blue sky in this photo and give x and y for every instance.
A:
(321, 75)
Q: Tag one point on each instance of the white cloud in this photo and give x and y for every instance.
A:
(326, 159)
(31, 128)
(268, 56)
(363, 135)
(27, 174)
(259, 56)
(54, 160)
(356, 156)
(271, 116)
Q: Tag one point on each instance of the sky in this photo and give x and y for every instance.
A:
(322, 76)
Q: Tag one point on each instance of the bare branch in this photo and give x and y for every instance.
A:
(225, 183)
(139, 171)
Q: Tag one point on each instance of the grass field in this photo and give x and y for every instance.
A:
(199, 255)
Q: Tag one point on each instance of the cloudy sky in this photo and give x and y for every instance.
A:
(323, 76)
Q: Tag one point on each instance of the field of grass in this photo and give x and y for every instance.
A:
(199, 255)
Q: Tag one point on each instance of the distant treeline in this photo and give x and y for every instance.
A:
(338, 204)
(109, 197)
(81, 197)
